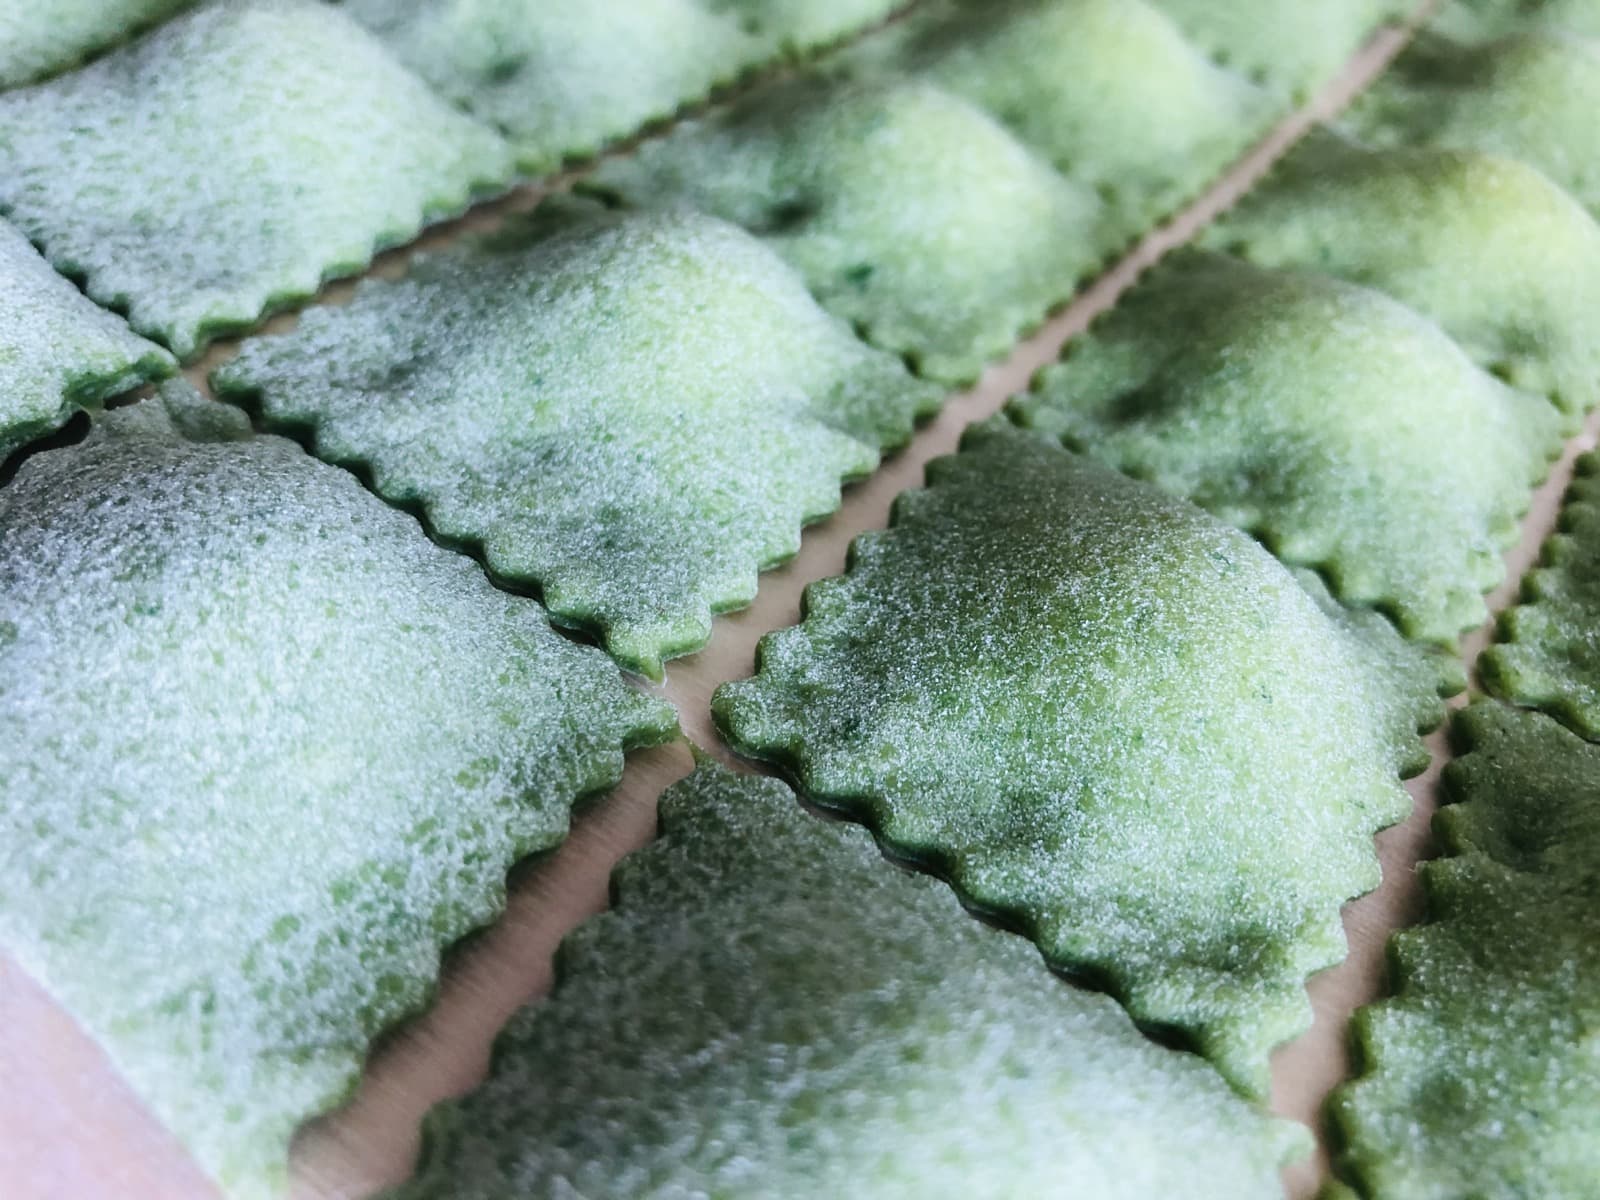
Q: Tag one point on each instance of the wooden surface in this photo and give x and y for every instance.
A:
(71, 1130)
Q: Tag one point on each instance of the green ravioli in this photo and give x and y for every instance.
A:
(1292, 48)
(1529, 95)
(945, 183)
(1482, 1074)
(635, 413)
(563, 78)
(910, 212)
(58, 352)
(1111, 720)
(1549, 656)
(1346, 431)
(41, 37)
(230, 161)
(267, 749)
(772, 1010)
(1109, 91)
(1502, 259)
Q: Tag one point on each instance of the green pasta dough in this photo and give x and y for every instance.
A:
(1079, 81)
(267, 750)
(230, 161)
(772, 1010)
(1293, 48)
(1347, 432)
(1482, 1075)
(563, 78)
(1549, 655)
(1110, 719)
(910, 213)
(1530, 95)
(1503, 260)
(41, 37)
(58, 352)
(634, 413)
(945, 183)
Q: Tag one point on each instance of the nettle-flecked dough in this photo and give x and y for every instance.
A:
(770, 1009)
(1506, 262)
(1548, 656)
(267, 749)
(565, 78)
(1529, 95)
(231, 160)
(1482, 1075)
(911, 213)
(1292, 48)
(58, 351)
(1110, 719)
(637, 413)
(1109, 91)
(1345, 430)
(41, 37)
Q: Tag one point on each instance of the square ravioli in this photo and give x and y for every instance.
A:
(632, 413)
(230, 161)
(1526, 88)
(1291, 48)
(1346, 431)
(1491, 18)
(268, 749)
(1078, 81)
(1112, 721)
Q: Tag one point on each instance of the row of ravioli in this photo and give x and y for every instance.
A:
(638, 458)
(1368, 367)
(942, 185)
(236, 154)
(1116, 676)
